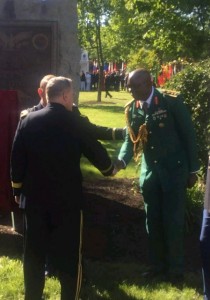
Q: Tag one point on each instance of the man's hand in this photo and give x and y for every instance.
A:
(119, 164)
(192, 179)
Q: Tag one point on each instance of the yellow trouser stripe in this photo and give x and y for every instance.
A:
(79, 276)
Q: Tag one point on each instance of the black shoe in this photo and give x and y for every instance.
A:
(176, 279)
(154, 275)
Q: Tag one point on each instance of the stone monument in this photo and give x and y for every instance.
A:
(37, 37)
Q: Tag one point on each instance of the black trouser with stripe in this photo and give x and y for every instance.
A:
(57, 233)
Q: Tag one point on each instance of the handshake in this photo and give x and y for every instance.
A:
(118, 165)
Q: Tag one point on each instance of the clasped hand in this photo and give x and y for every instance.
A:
(118, 165)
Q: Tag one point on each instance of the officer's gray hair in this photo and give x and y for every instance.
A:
(56, 86)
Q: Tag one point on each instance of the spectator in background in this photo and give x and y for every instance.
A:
(88, 81)
(107, 84)
(117, 81)
(205, 237)
(82, 81)
(122, 81)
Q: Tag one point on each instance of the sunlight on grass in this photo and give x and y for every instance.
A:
(118, 98)
(122, 281)
(11, 278)
(12, 286)
(159, 292)
(108, 113)
(113, 281)
(52, 289)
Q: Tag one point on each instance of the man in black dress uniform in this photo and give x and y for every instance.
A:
(45, 168)
(97, 131)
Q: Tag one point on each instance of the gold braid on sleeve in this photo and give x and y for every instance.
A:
(139, 140)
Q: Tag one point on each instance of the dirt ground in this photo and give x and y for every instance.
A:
(114, 226)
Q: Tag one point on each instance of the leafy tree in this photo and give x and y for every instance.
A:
(173, 28)
(92, 14)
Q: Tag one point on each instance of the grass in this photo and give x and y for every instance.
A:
(110, 113)
(114, 281)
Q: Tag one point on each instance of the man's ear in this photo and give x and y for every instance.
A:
(40, 92)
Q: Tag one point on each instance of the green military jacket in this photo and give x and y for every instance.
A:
(171, 140)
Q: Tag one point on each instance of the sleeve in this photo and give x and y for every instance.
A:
(105, 133)
(92, 149)
(100, 132)
(126, 150)
(186, 132)
(98, 156)
(17, 161)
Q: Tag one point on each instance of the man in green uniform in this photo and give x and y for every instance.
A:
(160, 127)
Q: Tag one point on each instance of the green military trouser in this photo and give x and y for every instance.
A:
(165, 218)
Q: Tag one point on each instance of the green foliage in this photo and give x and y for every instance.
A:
(194, 84)
(143, 58)
(173, 28)
(194, 207)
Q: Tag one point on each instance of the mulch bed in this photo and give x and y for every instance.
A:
(114, 226)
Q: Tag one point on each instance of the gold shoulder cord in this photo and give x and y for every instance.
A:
(138, 140)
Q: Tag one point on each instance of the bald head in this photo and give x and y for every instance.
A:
(140, 84)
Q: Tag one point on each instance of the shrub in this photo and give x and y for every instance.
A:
(194, 84)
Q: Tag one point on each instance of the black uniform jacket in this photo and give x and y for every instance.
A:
(46, 152)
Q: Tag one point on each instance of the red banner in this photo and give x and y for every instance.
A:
(9, 116)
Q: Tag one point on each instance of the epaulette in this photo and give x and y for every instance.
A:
(126, 105)
(24, 113)
(172, 93)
